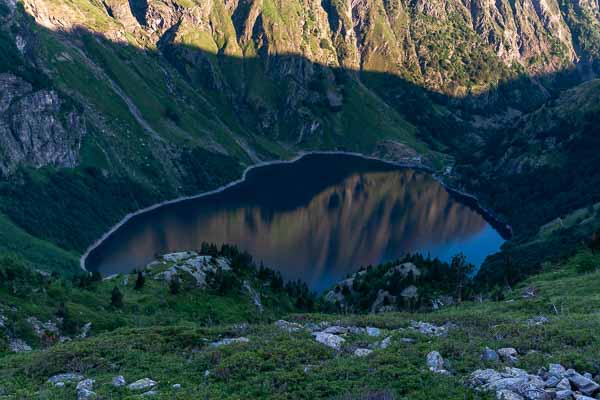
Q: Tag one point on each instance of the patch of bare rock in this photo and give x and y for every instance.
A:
(555, 382)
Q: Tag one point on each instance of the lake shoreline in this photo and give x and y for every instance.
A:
(470, 200)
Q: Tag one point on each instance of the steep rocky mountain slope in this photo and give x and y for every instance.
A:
(109, 106)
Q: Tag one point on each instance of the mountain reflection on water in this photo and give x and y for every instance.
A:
(317, 219)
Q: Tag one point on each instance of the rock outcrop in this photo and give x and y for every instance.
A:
(554, 383)
(36, 127)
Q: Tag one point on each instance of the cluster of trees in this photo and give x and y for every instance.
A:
(436, 278)
(244, 267)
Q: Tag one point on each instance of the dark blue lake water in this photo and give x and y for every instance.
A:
(316, 219)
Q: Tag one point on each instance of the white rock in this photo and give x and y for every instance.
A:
(435, 362)
(585, 385)
(536, 321)
(508, 395)
(176, 386)
(329, 339)
(336, 330)
(371, 331)
(66, 377)
(150, 393)
(228, 341)
(18, 346)
(429, 329)
(86, 384)
(288, 326)
(85, 330)
(583, 397)
(564, 384)
(552, 381)
(564, 395)
(385, 343)
(482, 377)
(119, 381)
(85, 394)
(142, 384)
(362, 352)
(512, 384)
(508, 354)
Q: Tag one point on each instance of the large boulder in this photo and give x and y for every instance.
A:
(435, 362)
(585, 385)
(508, 354)
(371, 331)
(328, 339)
(489, 355)
(142, 384)
(119, 381)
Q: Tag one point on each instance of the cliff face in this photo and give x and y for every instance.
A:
(291, 70)
(35, 127)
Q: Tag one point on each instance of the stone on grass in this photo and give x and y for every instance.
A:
(362, 352)
(119, 381)
(150, 393)
(435, 362)
(65, 378)
(489, 355)
(371, 331)
(86, 394)
(508, 354)
(176, 386)
(288, 326)
(86, 384)
(228, 341)
(142, 384)
(18, 346)
(385, 343)
(329, 339)
(482, 377)
(336, 330)
(429, 329)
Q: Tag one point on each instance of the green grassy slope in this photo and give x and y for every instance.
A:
(167, 339)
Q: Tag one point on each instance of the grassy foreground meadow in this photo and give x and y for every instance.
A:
(171, 335)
